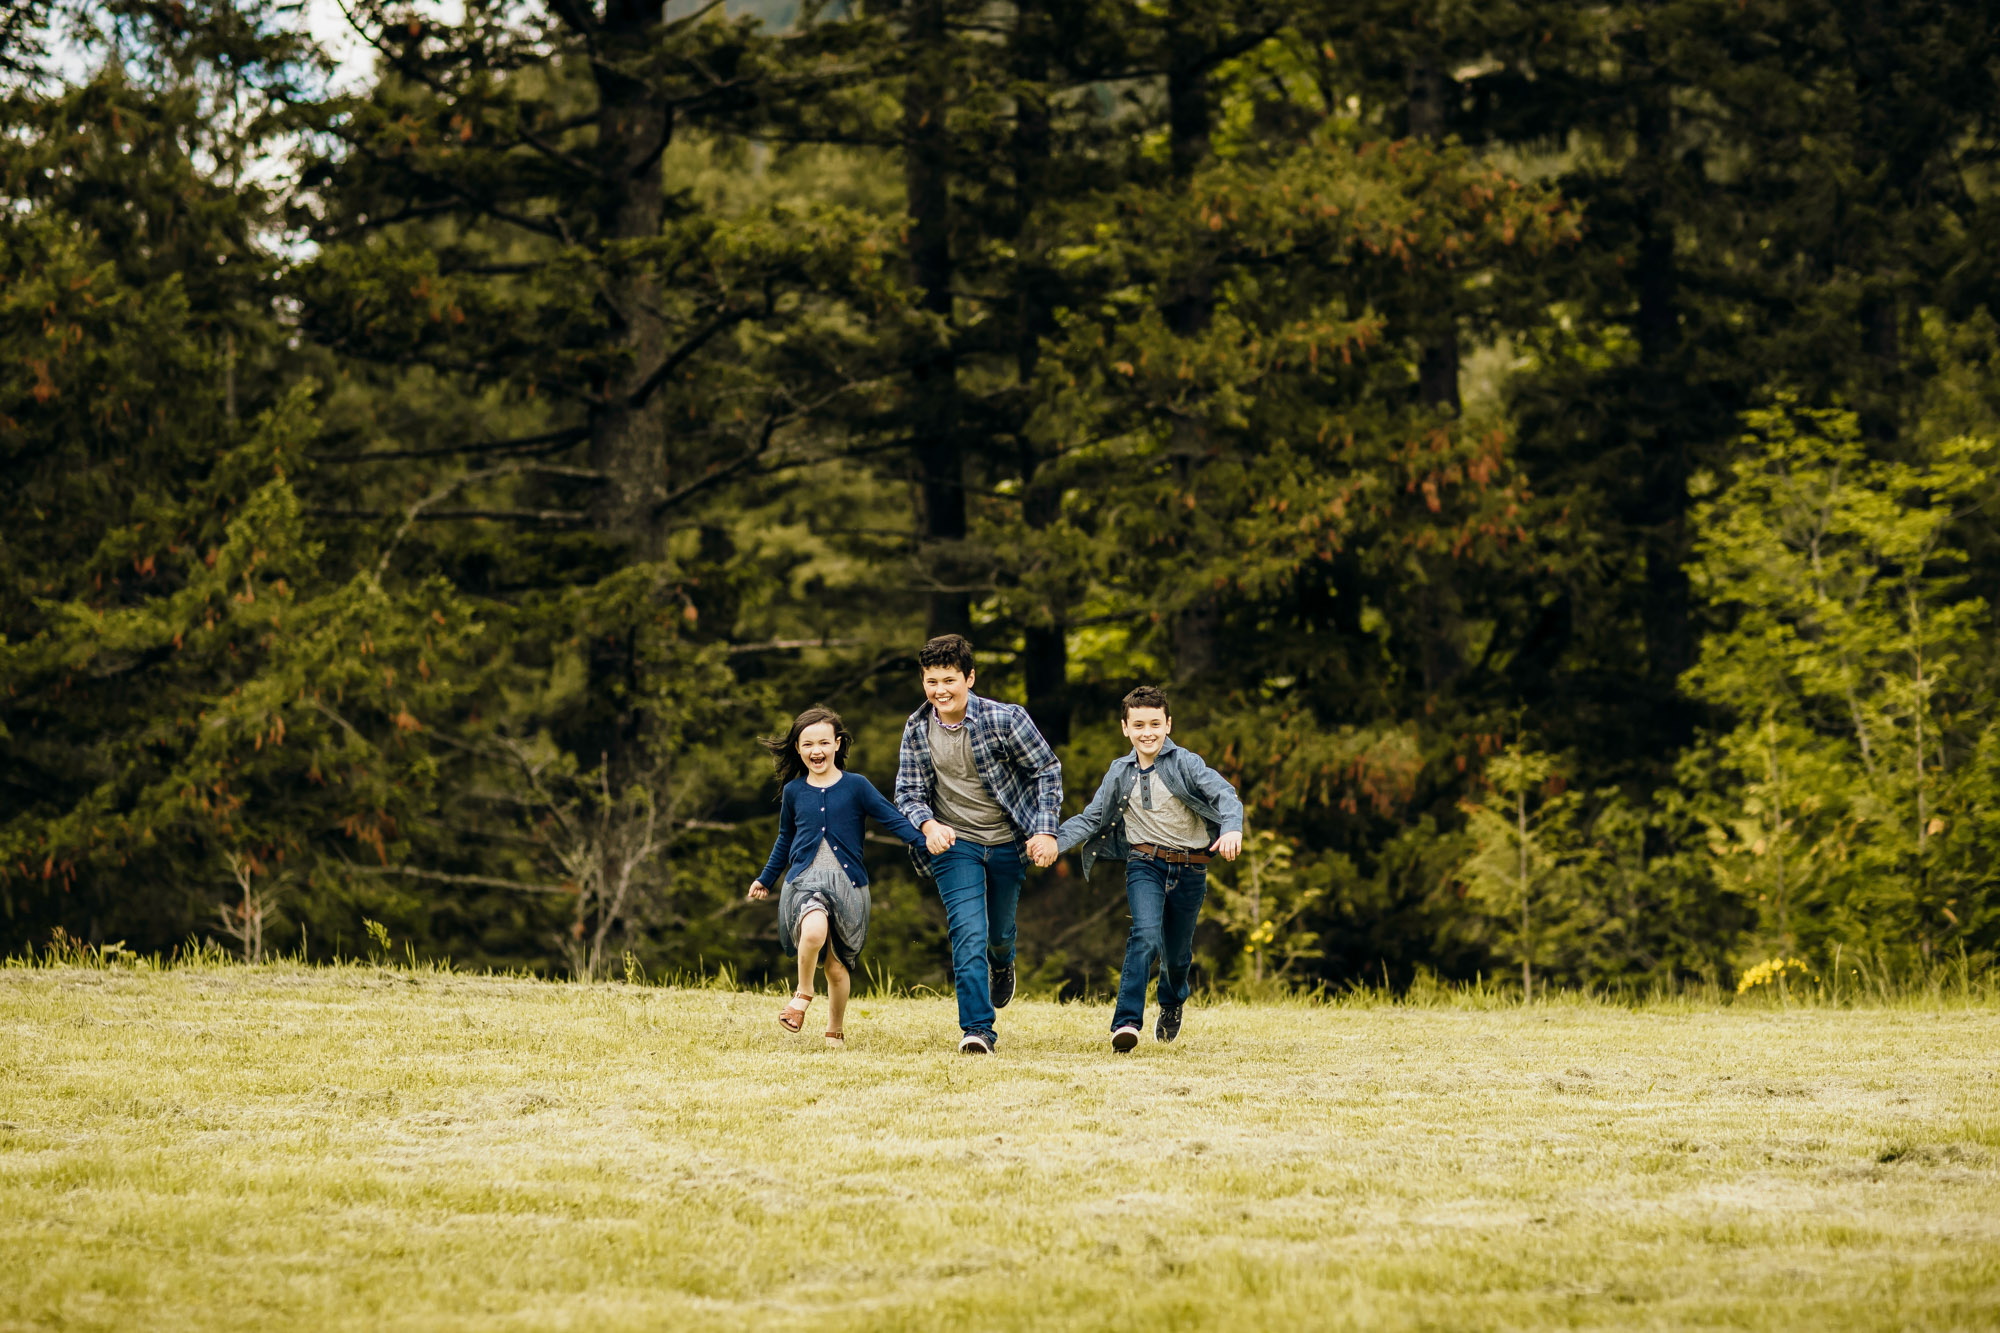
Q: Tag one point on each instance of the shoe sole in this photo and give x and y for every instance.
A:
(974, 1048)
(1124, 1041)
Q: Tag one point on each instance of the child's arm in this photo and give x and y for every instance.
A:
(1039, 757)
(1223, 797)
(913, 795)
(1081, 828)
(781, 850)
(873, 802)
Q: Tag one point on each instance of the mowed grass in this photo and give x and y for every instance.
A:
(352, 1147)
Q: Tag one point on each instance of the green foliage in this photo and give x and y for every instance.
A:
(1529, 876)
(1261, 902)
(1302, 442)
(1855, 674)
(418, 498)
(199, 707)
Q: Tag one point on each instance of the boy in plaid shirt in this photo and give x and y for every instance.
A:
(985, 789)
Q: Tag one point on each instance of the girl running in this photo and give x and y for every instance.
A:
(825, 898)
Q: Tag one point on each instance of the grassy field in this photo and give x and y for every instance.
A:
(239, 1148)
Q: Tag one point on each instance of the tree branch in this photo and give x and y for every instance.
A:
(679, 357)
(579, 18)
(473, 881)
(456, 515)
(550, 440)
(552, 228)
(785, 645)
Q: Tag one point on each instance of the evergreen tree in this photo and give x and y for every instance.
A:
(424, 534)
(195, 703)
(580, 354)
(1852, 669)
(1529, 874)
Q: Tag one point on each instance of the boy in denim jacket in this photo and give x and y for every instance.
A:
(1167, 813)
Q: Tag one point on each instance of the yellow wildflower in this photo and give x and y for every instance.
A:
(1772, 971)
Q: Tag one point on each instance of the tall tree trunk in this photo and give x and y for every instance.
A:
(1189, 117)
(1438, 364)
(1527, 949)
(1663, 499)
(940, 453)
(1441, 634)
(1776, 776)
(627, 423)
(1893, 141)
(1045, 648)
(1881, 414)
(627, 428)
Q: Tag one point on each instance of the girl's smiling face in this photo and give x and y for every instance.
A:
(819, 748)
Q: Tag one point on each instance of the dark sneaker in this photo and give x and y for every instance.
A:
(975, 1043)
(1170, 1023)
(1001, 980)
(1125, 1038)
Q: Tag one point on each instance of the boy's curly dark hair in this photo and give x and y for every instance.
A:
(1146, 696)
(947, 650)
(785, 749)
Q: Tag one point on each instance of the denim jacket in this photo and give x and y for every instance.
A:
(1100, 829)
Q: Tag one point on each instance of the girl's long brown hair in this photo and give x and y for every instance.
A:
(785, 749)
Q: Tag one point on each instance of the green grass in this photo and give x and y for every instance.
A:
(222, 1147)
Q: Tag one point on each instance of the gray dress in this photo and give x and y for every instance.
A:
(845, 903)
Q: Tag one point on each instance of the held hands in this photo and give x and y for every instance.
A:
(938, 837)
(757, 890)
(1042, 849)
(1227, 846)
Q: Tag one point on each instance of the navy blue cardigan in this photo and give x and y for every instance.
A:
(837, 813)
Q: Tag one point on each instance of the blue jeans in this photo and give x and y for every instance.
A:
(1166, 901)
(981, 887)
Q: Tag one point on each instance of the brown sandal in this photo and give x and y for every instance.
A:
(837, 1040)
(793, 1016)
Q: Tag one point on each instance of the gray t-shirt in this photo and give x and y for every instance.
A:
(1167, 823)
(962, 799)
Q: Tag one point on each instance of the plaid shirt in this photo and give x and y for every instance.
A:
(1013, 760)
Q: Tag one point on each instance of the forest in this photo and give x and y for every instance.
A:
(1545, 451)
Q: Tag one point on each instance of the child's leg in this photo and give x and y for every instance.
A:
(1006, 871)
(838, 982)
(1145, 893)
(812, 935)
(961, 884)
(1186, 888)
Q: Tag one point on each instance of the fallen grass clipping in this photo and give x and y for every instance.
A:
(363, 1147)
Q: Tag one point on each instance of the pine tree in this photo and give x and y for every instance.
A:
(1528, 874)
(549, 336)
(1849, 667)
(195, 703)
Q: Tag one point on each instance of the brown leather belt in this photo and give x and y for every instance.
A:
(1170, 856)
